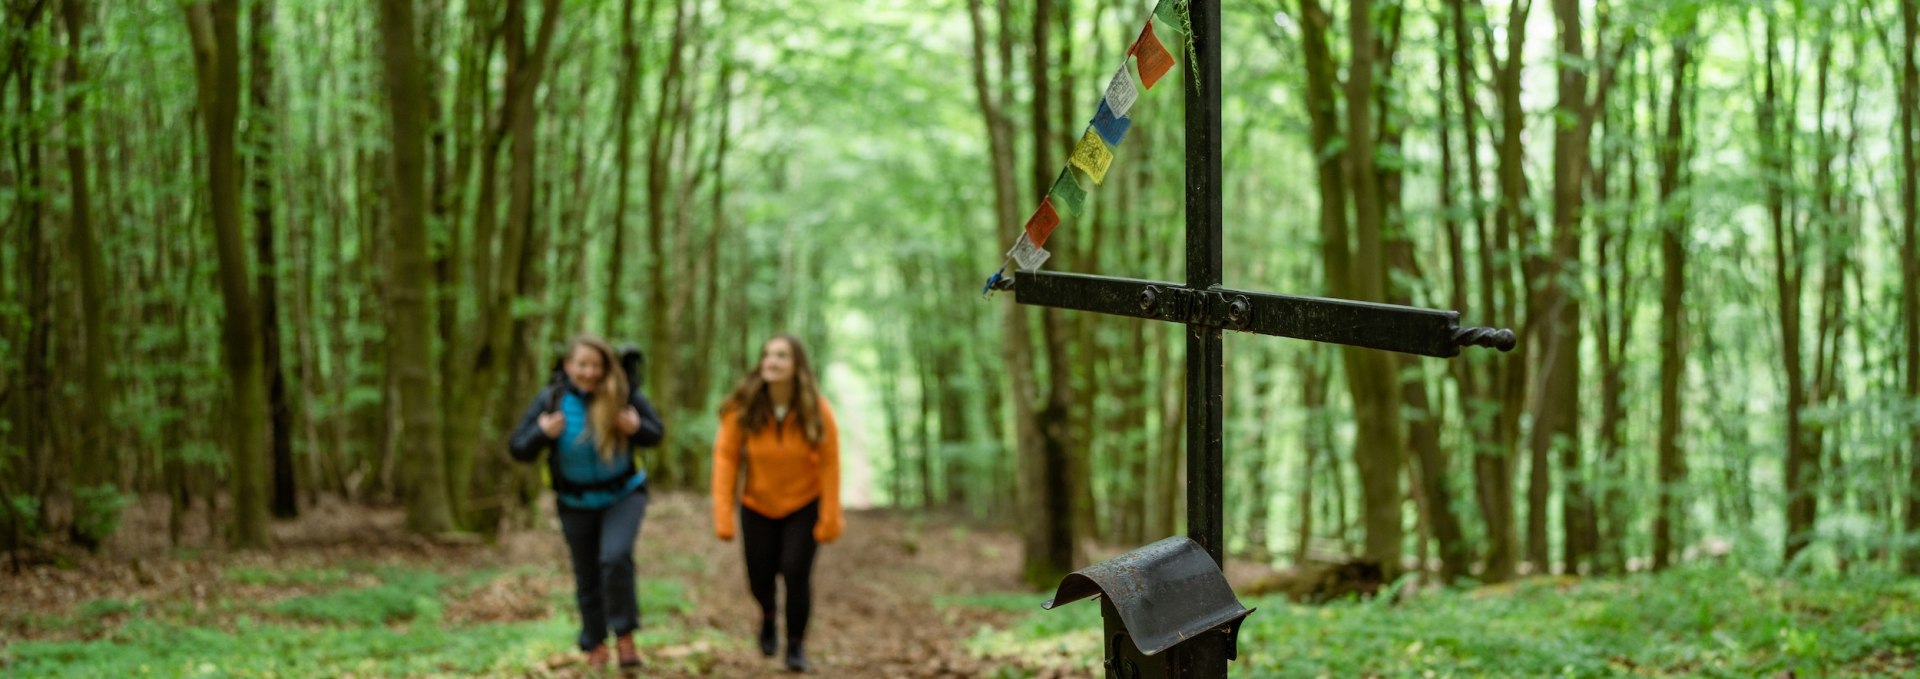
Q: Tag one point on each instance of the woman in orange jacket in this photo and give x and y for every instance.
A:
(777, 427)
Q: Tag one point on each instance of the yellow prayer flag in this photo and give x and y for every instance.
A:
(1092, 157)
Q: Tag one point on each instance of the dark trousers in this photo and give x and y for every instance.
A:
(601, 544)
(782, 547)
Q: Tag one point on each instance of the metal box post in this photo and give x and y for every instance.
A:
(1160, 607)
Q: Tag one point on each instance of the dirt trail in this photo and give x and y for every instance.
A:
(873, 610)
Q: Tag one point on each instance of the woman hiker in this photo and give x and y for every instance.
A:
(589, 423)
(777, 428)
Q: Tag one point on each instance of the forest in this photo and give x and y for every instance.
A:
(269, 264)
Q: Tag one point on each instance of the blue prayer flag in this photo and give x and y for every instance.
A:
(1111, 128)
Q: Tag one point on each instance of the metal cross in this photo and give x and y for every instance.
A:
(1207, 308)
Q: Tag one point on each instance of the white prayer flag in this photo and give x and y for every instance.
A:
(1120, 92)
(1028, 255)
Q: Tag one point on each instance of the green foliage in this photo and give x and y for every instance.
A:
(97, 509)
(1705, 621)
(152, 648)
(395, 628)
(306, 576)
(1068, 636)
(403, 595)
(667, 597)
(22, 508)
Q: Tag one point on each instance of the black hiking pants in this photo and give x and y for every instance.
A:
(782, 547)
(600, 541)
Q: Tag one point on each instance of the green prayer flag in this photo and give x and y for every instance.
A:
(1171, 15)
(1067, 194)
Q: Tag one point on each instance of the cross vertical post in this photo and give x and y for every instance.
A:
(1205, 356)
(1205, 362)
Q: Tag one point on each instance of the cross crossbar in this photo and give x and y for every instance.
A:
(1388, 327)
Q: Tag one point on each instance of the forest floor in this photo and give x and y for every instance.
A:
(347, 592)
(890, 600)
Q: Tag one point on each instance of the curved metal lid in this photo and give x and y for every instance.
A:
(1167, 592)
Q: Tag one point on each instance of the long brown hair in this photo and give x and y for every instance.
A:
(603, 413)
(752, 401)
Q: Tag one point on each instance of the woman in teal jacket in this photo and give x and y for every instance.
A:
(590, 423)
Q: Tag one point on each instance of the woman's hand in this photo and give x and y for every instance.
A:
(629, 421)
(825, 531)
(553, 423)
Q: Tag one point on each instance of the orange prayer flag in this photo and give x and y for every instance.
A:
(1151, 57)
(1041, 224)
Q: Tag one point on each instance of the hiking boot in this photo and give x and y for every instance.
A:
(797, 661)
(768, 644)
(597, 657)
(629, 658)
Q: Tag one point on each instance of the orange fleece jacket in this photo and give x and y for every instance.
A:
(784, 472)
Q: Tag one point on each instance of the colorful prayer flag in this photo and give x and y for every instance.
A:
(1169, 15)
(1091, 156)
(1111, 128)
(1041, 224)
(1120, 91)
(1152, 57)
(1066, 193)
(1027, 255)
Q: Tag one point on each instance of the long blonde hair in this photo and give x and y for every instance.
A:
(603, 414)
(754, 405)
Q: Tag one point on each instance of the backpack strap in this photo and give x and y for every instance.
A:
(562, 485)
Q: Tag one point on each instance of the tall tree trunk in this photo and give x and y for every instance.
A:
(1614, 327)
(1379, 450)
(1454, 560)
(1910, 265)
(1357, 274)
(631, 72)
(1015, 348)
(1557, 410)
(1789, 273)
(1476, 377)
(410, 283)
(216, 59)
(36, 374)
(718, 234)
(662, 334)
(95, 469)
(1427, 476)
(1051, 548)
(1673, 257)
(1313, 402)
(526, 70)
(454, 265)
(260, 148)
(505, 283)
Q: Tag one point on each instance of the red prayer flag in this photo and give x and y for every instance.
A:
(1152, 57)
(1041, 224)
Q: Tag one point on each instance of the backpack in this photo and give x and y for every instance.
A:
(632, 361)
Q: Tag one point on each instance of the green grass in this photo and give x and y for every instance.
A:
(306, 576)
(1705, 622)
(401, 596)
(393, 628)
(146, 647)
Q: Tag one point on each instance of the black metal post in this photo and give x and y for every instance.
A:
(1205, 423)
(1204, 360)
